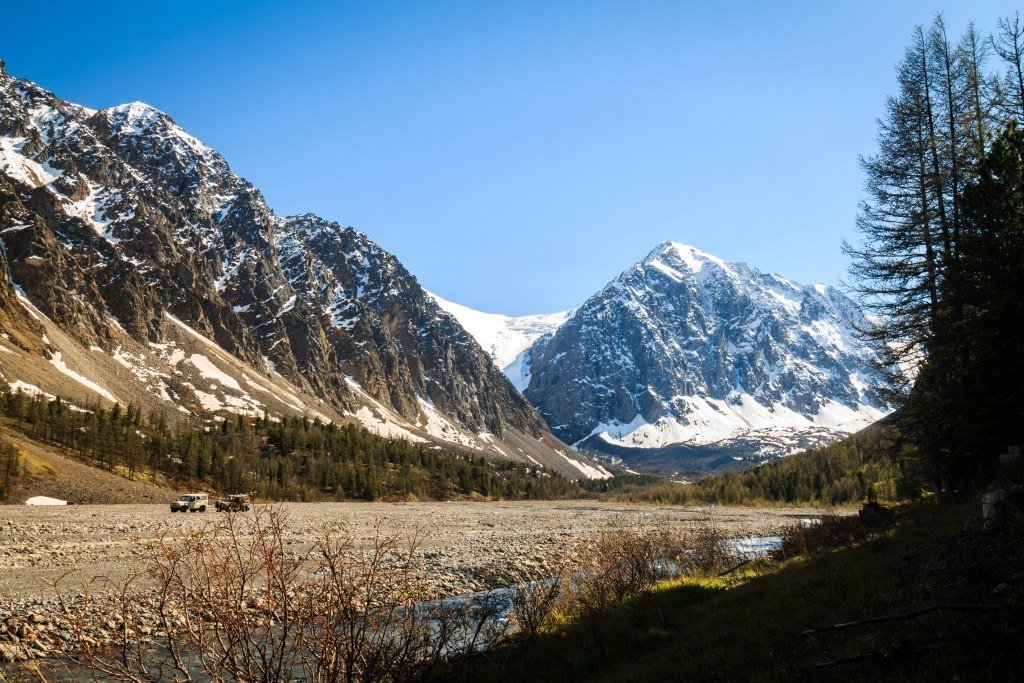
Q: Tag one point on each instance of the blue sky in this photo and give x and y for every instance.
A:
(516, 156)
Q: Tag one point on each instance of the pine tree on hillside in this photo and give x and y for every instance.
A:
(293, 459)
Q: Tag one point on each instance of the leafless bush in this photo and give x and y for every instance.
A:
(376, 622)
(706, 550)
(230, 603)
(831, 530)
(535, 601)
(618, 564)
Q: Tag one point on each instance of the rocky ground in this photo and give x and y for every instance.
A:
(46, 551)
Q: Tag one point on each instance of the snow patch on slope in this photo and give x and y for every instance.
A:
(384, 426)
(30, 389)
(437, 425)
(518, 371)
(45, 500)
(379, 419)
(58, 362)
(22, 168)
(709, 420)
(211, 372)
(585, 469)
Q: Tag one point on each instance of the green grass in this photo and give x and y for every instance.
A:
(750, 627)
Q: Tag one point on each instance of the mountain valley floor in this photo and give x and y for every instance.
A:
(464, 546)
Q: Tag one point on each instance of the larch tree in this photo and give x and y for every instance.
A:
(907, 267)
(974, 53)
(896, 265)
(1008, 44)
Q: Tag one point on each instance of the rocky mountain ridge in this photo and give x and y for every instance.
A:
(138, 265)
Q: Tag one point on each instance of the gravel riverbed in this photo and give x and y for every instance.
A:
(464, 546)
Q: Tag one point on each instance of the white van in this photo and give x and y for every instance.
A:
(191, 502)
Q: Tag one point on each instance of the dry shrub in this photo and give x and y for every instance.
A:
(617, 564)
(535, 603)
(538, 597)
(230, 603)
(620, 563)
(832, 530)
(706, 551)
(373, 619)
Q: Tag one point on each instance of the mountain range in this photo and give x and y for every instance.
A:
(139, 268)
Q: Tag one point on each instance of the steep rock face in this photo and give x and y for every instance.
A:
(118, 221)
(137, 218)
(419, 353)
(686, 348)
(505, 338)
(17, 325)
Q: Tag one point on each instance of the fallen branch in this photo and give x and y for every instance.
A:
(906, 616)
(730, 571)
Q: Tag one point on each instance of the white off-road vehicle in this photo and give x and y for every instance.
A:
(191, 502)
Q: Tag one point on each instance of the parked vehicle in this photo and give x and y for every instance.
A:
(236, 503)
(191, 502)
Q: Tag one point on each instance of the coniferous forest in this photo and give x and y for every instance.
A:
(860, 468)
(11, 466)
(290, 459)
(300, 459)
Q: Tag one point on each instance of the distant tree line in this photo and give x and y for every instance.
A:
(857, 469)
(942, 240)
(294, 458)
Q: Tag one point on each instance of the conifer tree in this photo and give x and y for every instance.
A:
(896, 266)
(909, 267)
(1009, 46)
(993, 329)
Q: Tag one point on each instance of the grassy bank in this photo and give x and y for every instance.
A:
(752, 624)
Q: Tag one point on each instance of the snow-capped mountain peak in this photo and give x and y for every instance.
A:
(684, 347)
(137, 115)
(676, 254)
